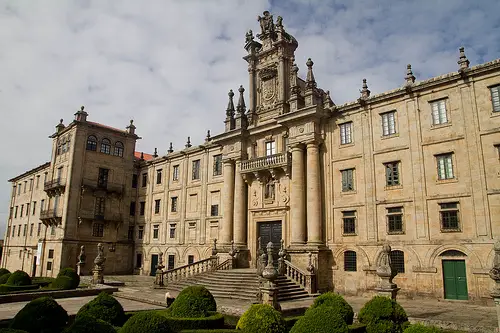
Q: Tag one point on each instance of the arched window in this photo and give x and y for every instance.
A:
(92, 143)
(106, 146)
(398, 261)
(118, 149)
(453, 253)
(350, 261)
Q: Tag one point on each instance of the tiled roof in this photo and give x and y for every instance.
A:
(147, 157)
(34, 170)
(105, 126)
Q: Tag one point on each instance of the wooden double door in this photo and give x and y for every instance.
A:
(455, 279)
(270, 232)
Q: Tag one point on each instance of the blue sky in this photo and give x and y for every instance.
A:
(169, 64)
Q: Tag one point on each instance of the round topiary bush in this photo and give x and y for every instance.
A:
(4, 278)
(86, 324)
(419, 328)
(19, 278)
(322, 319)
(382, 314)
(40, 315)
(147, 321)
(63, 283)
(71, 273)
(261, 318)
(193, 302)
(336, 302)
(104, 307)
(4, 271)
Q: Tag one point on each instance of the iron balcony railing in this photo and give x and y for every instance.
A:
(54, 184)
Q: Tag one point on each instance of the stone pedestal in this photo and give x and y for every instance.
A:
(270, 295)
(97, 275)
(391, 293)
(268, 289)
(97, 272)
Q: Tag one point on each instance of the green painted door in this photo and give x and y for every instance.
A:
(154, 262)
(455, 279)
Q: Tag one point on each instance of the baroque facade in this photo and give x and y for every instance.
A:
(416, 167)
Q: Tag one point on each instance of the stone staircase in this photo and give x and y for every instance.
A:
(238, 284)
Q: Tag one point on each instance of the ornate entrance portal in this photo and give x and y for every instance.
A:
(270, 232)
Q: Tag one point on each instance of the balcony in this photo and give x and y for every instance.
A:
(107, 187)
(272, 163)
(54, 187)
(51, 216)
(87, 215)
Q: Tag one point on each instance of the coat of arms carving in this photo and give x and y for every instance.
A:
(268, 83)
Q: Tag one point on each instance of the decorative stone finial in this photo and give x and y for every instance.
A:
(270, 273)
(410, 78)
(385, 270)
(131, 128)
(98, 277)
(241, 101)
(495, 270)
(82, 108)
(266, 25)
(365, 93)
(142, 156)
(230, 105)
(170, 148)
(295, 68)
(60, 126)
(310, 81)
(463, 62)
(81, 115)
(155, 153)
(279, 22)
(214, 247)
(207, 138)
(188, 142)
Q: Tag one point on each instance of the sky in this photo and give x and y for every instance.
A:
(168, 64)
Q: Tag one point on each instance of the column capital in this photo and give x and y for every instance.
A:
(296, 146)
(313, 142)
(228, 160)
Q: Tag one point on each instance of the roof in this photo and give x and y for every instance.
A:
(108, 127)
(38, 168)
(147, 157)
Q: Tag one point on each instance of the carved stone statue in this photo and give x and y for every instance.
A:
(249, 36)
(81, 260)
(279, 22)
(266, 23)
(270, 189)
(100, 259)
(98, 277)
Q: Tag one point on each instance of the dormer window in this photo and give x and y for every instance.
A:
(118, 149)
(92, 143)
(106, 146)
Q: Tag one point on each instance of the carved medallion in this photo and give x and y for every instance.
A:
(268, 90)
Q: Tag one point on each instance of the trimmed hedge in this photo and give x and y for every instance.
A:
(261, 318)
(104, 307)
(193, 302)
(4, 278)
(86, 324)
(72, 275)
(338, 303)
(62, 283)
(227, 330)
(11, 330)
(215, 321)
(147, 321)
(419, 328)
(322, 319)
(19, 278)
(4, 271)
(41, 281)
(40, 315)
(383, 315)
(357, 328)
(5, 288)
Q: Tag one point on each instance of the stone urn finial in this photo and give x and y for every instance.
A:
(310, 266)
(495, 270)
(100, 259)
(385, 270)
(270, 273)
(232, 252)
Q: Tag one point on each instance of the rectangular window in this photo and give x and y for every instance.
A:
(439, 112)
(11, 212)
(173, 204)
(270, 148)
(34, 207)
(140, 234)
(8, 232)
(42, 204)
(15, 212)
(51, 254)
(157, 206)
(495, 98)
(98, 230)
(175, 173)
(13, 231)
(392, 173)
(22, 209)
(102, 179)
(388, 123)
(142, 208)
(346, 133)
(171, 262)
(138, 260)
(100, 206)
(172, 231)
(158, 176)
(37, 181)
(27, 209)
(39, 229)
(449, 216)
(214, 210)
(32, 226)
(196, 169)
(18, 189)
(134, 181)
(349, 222)
(49, 265)
(144, 179)
(25, 230)
(132, 208)
(395, 220)
(190, 259)
(347, 180)
(218, 165)
(156, 231)
(53, 230)
(25, 186)
(130, 233)
(445, 166)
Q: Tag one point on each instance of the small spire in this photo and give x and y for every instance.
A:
(230, 105)
(310, 81)
(155, 153)
(463, 62)
(170, 148)
(365, 93)
(131, 128)
(207, 138)
(142, 156)
(241, 102)
(410, 78)
(188, 143)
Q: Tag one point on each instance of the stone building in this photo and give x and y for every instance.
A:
(416, 167)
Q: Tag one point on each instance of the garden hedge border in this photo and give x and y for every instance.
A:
(215, 321)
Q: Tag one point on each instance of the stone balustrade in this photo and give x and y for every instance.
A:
(265, 162)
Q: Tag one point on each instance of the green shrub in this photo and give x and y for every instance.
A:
(41, 281)
(222, 330)
(336, 302)
(322, 319)
(419, 328)
(4, 271)
(147, 321)
(5, 288)
(40, 315)
(70, 273)
(86, 324)
(357, 328)
(215, 321)
(4, 278)
(11, 330)
(193, 302)
(261, 318)
(62, 283)
(382, 314)
(104, 307)
(19, 278)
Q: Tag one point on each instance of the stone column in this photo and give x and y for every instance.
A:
(240, 194)
(297, 203)
(228, 204)
(313, 195)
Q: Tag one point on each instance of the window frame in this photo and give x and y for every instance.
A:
(444, 209)
(392, 214)
(496, 88)
(217, 165)
(389, 118)
(195, 166)
(214, 210)
(157, 206)
(349, 216)
(156, 231)
(144, 179)
(398, 262)
(159, 176)
(173, 204)
(346, 133)
(105, 146)
(270, 147)
(175, 172)
(346, 176)
(140, 232)
(118, 149)
(98, 229)
(437, 108)
(392, 174)
(91, 143)
(447, 164)
(142, 208)
(171, 231)
(350, 263)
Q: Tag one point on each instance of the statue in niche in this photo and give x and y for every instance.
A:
(266, 23)
(270, 187)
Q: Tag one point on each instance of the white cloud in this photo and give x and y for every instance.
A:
(170, 64)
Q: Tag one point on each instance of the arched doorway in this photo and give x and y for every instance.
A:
(454, 275)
